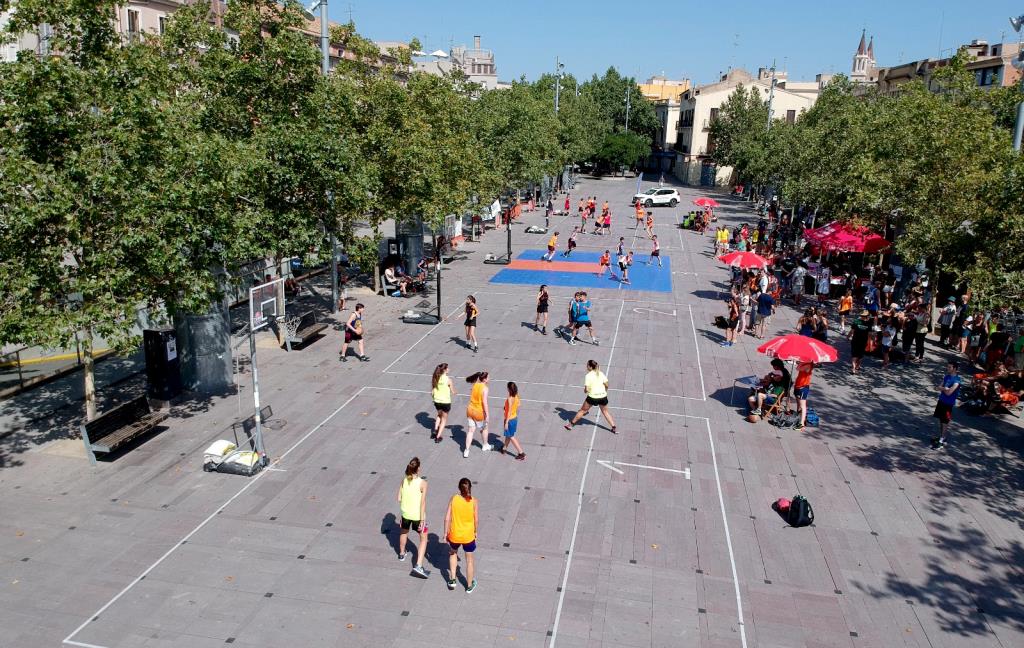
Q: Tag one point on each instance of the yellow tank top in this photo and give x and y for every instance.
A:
(475, 410)
(443, 392)
(412, 498)
(463, 526)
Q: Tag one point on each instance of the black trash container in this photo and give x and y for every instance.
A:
(163, 364)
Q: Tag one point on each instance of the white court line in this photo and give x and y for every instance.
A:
(728, 539)
(696, 346)
(579, 498)
(198, 527)
(423, 337)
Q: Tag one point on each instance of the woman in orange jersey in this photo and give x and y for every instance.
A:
(477, 411)
(460, 532)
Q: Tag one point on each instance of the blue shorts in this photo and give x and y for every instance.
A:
(512, 425)
(802, 392)
(468, 547)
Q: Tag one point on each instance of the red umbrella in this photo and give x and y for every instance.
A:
(745, 260)
(798, 347)
(706, 202)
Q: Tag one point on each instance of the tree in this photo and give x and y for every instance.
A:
(622, 150)
(581, 125)
(519, 133)
(609, 93)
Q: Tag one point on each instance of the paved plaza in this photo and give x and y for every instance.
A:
(660, 535)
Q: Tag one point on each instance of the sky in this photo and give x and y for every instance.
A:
(683, 38)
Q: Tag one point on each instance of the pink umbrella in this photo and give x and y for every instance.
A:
(744, 260)
(799, 348)
(706, 202)
(846, 237)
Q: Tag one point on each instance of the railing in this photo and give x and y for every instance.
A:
(29, 365)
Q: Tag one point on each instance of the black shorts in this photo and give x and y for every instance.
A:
(733, 323)
(352, 337)
(411, 524)
(470, 321)
(622, 267)
(943, 412)
(551, 248)
(578, 323)
(542, 308)
(572, 245)
(443, 407)
(597, 402)
(656, 253)
(606, 225)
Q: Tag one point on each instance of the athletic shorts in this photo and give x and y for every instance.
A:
(656, 253)
(572, 245)
(943, 412)
(801, 392)
(578, 323)
(542, 308)
(473, 424)
(352, 337)
(733, 323)
(443, 407)
(468, 547)
(606, 225)
(470, 321)
(551, 248)
(411, 524)
(599, 402)
(513, 425)
(622, 267)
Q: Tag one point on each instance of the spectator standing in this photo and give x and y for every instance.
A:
(801, 390)
(860, 330)
(765, 310)
(948, 390)
(946, 317)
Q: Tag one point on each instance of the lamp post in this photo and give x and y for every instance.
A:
(558, 79)
(1018, 128)
(627, 108)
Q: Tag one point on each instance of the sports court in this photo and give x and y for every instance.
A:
(582, 270)
(660, 535)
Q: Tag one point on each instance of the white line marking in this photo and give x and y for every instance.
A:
(696, 346)
(83, 645)
(606, 464)
(202, 524)
(651, 310)
(728, 539)
(422, 337)
(609, 466)
(579, 496)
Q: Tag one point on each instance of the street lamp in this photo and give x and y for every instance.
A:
(558, 79)
(1018, 129)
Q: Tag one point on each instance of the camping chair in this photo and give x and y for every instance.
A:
(776, 413)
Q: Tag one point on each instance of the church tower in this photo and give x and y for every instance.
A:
(864, 60)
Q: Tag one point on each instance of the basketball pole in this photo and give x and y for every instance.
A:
(258, 437)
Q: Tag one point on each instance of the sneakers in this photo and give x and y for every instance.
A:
(344, 358)
(465, 453)
(452, 584)
(597, 342)
(364, 358)
(798, 426)
(544, 331)
(475, 348)
(572, 341)
(472, 586)
(486, 448)
(757, 412)
(402, 556)
(419, 571)
(521, 456)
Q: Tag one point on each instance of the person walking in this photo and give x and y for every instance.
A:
(888, 339)
(948, 390)
(549, 209)
(354, 333)
(655, 251)
(845, 306)
(606, 223)
(552, 244)
(470, 323)
(922, 330)
(820, 325)
(412, 504)
(595, 387)
(441, 391)
(477, 412)
(650, 224)
(765, 309)
(581, 211)
(460, 525)
(567, 205)
(639, 210)
(801, 389)
(511, 425)
(540, 323)
(581, 318)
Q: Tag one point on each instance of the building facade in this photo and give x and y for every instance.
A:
(658, 88)
(476, 63)
(699, 107)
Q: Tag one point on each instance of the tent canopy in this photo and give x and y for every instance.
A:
(846, 237)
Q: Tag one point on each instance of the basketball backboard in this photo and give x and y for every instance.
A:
(266, 302)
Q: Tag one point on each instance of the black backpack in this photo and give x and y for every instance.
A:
(800, 512)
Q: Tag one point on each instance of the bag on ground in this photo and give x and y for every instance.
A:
(800, 512)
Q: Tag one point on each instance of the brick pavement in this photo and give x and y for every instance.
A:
(910, 547)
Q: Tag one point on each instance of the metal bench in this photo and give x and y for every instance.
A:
(302, 329)
(118, 426)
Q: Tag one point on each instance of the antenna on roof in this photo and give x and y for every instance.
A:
(350, 12)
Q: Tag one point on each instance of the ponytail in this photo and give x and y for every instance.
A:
(466, 488)
(412, 468)
(477, 377)
(438, 372)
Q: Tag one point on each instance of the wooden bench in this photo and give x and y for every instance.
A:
(118, 426)
(301, 329)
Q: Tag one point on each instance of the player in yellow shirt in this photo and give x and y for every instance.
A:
(552, 244)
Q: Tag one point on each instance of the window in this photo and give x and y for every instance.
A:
(790, 116)
(163, 24)
(714, 115)
(133, 22)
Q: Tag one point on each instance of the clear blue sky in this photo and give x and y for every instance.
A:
(683, 37)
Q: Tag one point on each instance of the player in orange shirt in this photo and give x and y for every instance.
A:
(606, 263)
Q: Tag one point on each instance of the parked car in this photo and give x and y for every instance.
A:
(657, 196)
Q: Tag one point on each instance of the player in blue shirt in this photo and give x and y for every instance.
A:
(581, 317)
(948, 390)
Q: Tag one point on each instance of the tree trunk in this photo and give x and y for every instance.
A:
(89, 376)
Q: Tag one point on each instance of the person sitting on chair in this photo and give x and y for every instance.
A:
(391, 276)
(774, 386)
(291, 287)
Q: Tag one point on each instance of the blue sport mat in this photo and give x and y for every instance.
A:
(641, 276)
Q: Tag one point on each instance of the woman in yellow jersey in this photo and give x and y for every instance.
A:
(412, 502)
(441, 390)
(477, 412)
(595, 386)
(460, 531)
(512, 422)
